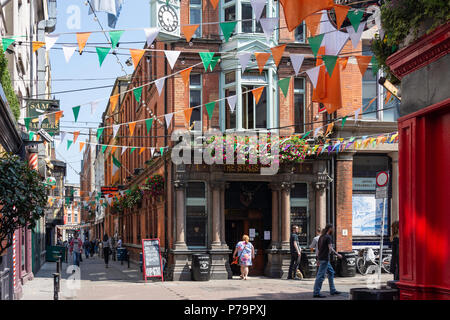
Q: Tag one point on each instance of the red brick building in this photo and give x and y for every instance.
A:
(207, 208)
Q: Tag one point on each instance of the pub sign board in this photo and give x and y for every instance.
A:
(151, 259)
(39, 107)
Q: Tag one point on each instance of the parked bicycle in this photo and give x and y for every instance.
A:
(368, 262)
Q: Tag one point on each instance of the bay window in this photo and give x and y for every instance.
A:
(253, 115)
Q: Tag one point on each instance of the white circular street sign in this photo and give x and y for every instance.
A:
(382, 179)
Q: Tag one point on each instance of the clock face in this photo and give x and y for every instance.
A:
(168, 19)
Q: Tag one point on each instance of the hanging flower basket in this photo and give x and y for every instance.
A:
(154, 186)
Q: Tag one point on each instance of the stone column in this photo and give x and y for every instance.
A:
(321, 206)
(344, 192)
(222, 215)
(216, 206)
(275, 243)
(180, 189)
(285, 214)
(394, 178)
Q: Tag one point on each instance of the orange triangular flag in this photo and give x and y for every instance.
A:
(185, 75)
(341, 14)
(58, 116)
(141, 150)
(189, 31)
(257, 93)
(363, 63)
(75, 136)
(388, 97)
(312, 23)
(187, 115)
(295, 11)
(113, 149)
(131, 126)
(82, 38)
(329, 127)
(113, 101)
(37, 45)
(277, 53)
(214, 3)
(81, 145)
(261, 58)
(136, 55)
(343, 62)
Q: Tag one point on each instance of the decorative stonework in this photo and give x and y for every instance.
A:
(422, 52)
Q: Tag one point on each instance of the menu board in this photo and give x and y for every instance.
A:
(151, 256)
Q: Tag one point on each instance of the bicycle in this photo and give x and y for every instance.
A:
(367, 262)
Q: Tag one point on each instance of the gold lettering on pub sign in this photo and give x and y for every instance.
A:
(43, 105)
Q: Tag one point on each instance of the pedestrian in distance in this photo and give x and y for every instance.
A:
(92, 247)
(87, 248)
(295, 254)
(325, 248)
(394, 268)
(106, 248)
(246, 253)
(315, 242)
(113, 247)
(119, 243)
(76, 246)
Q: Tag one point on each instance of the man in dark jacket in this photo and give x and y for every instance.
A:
(295, 254)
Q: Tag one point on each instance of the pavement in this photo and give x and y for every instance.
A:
(118, 282)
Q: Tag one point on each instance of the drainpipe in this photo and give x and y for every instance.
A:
(166, 237)
(45, 26)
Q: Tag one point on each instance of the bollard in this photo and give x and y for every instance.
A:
(55, 286)
(58, 264)
(128, 258)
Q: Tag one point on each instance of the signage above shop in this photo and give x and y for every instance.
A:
(40, 107)
(364, 184)
(109, 190)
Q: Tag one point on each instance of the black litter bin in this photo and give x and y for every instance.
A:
(201, 267)
(121, 254)
(308, 264)
(347, 265)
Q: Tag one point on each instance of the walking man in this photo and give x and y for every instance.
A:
(76, 246)
(295, 254)
(325, 247)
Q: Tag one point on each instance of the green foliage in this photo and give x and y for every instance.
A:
(134, 197)
(154, 185)
(382, 51)
(23, 197)
(292, 150)
(5, 80)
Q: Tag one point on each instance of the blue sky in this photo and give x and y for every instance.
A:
(134, 14)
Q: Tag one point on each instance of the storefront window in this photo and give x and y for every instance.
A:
(299, 211)
(196, 215)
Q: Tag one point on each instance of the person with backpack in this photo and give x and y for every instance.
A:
(76, 246)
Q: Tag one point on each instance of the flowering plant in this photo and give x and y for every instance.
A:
(154, 185)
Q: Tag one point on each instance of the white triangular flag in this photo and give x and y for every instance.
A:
(123, 150)
(232, 102)
(41, 118)
(357, 114)
(168, 118)
(333, 40)
(57, 143)
(258, 7)
(116, 128)
(316, 131)
(172, 57)
(94, 105)
(244, 58)
(90, 194)
(152, 151)
(268, 25)
(160, 84)
(150, 35)
(313, 75)
(63, 135)
(297, 61)
(355, 37)
(109, 199)
(50, 40)
(68, 51)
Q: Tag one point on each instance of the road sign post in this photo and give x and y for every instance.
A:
(381, 193)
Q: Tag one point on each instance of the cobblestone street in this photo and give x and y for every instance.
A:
(120, 283)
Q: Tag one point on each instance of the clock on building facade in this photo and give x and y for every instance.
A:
(165, 15)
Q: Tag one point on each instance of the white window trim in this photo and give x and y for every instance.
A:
(199, 7)
(300, 91)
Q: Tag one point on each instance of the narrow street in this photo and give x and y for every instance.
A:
(120, 283)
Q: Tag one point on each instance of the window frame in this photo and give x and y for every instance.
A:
(198, 32)
(304, 33)
(206, 203)
(195, 87)
(297, 92)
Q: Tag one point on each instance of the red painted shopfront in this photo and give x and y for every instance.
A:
(424, 166)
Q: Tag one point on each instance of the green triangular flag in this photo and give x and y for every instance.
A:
(315, 42)
(148, 124)
(355, 17)
(102, 53)
(27, 123)
(67, 201)
(116, 162)
(306, 134)
(115, 36)
(69, 143)
(76, 111)
(99, 132)
(132, 149)
(104, 148)
(213, 63)
(375, 66)
(284, 85)
(206, 58)
(51, 133)
(6, 42)
(31, 136)
(161, 151)
(137, 94)
(210, 108)
(128, 191)
(227, 29)
(330, 63)
(343, 121)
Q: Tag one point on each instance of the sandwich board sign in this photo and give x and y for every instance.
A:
(151, 259)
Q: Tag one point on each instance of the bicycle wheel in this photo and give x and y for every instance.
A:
(387, 264)
(361, 266)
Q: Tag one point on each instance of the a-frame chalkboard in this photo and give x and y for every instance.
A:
(151, 259)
